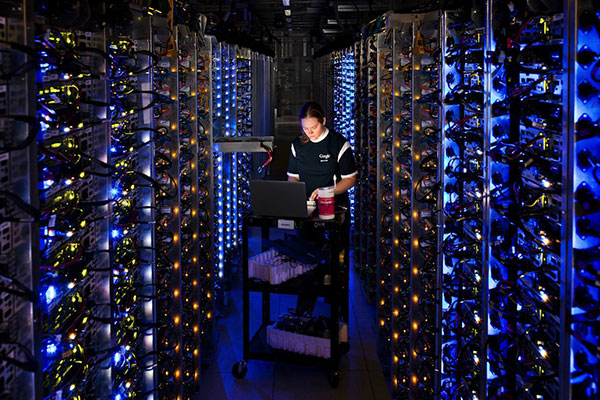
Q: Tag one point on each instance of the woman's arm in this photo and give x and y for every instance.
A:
(341, 187)
(293, 179)
(345, 184)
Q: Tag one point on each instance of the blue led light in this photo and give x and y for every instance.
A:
(50, 294)
(51, 348)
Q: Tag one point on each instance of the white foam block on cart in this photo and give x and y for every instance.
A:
(268, 267)
(303, 344)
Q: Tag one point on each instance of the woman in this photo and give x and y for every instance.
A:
(321, 157)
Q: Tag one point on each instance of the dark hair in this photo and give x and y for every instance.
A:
(311, 109)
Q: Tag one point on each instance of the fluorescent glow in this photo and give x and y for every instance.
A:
(51, 348)
(286, 3)
(50, 294)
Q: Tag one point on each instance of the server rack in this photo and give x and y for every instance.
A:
(402, 167)
(425, 205)
(579, 297)
(384, 178)
(19, 232)
(366, 191)
(189, 201)
(208, 264)
(168, 228)
(464, 230)
(131, 211)
(343, 104)
(526, 214)
(74, 238)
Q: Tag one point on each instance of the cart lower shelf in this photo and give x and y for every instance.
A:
(259, 349)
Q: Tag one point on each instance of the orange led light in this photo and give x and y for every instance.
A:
(176, 320)
(176, 293)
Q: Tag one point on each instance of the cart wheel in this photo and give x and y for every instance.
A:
(239, 369)
(344, 347)
(334, 378)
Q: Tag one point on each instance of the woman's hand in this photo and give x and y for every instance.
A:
(314, 195)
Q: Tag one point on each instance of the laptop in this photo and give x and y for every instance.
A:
(278, 198)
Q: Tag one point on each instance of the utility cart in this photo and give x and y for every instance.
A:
(327, 279)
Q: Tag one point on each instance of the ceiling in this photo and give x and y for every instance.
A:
(317, 21)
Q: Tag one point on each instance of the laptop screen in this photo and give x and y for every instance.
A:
(278, 198)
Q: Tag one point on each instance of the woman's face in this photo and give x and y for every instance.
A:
(312, 127)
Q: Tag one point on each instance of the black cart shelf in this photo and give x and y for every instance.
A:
(328, 280)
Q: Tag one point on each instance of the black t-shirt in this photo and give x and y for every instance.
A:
(321, 163)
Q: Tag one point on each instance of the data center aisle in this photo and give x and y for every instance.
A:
(361, 379)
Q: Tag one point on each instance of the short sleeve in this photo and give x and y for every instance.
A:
(346, 162)
(293, 164)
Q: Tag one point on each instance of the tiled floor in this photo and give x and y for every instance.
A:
(361, 375)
